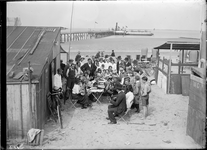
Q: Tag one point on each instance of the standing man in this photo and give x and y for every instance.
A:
(57, 85)
(128, 65)
(118, 63)
(70, 74)
(89, 66)
(57, 80)
(136, 91)
(62, 65)
(118, 106)
(145, 90)
(67, 67)
(112, 53)
(78, 56)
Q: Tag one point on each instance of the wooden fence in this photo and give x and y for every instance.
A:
(173, 81)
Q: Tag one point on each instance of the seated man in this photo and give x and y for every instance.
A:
(118, 106)
(79, 93)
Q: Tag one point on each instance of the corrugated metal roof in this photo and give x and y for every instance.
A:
(181, 44)
(21, 40)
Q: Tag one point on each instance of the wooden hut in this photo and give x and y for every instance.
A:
(170, 76)
(37, 48)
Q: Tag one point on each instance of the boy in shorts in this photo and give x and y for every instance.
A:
(145, 90)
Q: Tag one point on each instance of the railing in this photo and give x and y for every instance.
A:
(77, 36)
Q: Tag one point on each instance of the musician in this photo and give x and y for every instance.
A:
(118, 106)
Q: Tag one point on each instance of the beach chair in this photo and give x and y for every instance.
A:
(138, 57)
(143, 58)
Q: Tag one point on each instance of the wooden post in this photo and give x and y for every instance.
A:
(21, 113)
(182, 60)
(169, 69)
(30, 101)
(30, 98)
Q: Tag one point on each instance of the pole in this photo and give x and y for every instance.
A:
(169, 69)
(30, 100)
(71, 20)
(21, 109)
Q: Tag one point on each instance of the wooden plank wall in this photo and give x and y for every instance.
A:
(19, 114)
(162, 73)
(176, 84)
(162, 81)
(43, 88)
(197, 110)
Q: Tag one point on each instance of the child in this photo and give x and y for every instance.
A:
(136, 91)
(145, 90)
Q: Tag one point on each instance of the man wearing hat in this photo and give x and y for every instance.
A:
(70, 61)
(78, 56)
(118, 106)
(112, 53)
(89, 66)
(118, 63)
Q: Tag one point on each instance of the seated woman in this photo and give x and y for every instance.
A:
(79, 93)
(129, 96)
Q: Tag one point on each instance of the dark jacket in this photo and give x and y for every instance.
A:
(120, 103)
(77, 58)
(87, 67)
(117, 66)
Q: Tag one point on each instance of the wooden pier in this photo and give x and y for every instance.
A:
(77, 36)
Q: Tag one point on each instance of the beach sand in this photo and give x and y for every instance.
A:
(88, 128)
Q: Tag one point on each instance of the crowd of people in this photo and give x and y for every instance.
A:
(124, 82)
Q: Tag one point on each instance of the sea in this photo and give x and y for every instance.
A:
(127, 45)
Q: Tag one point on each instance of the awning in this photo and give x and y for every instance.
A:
(181, 44)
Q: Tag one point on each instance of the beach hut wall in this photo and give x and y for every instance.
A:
(25, 111)
(196, 119)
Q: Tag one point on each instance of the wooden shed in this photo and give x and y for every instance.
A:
(174, 78)
(37, 48)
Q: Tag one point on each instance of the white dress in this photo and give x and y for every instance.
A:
(129, 99)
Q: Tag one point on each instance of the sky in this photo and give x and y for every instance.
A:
(165, 14)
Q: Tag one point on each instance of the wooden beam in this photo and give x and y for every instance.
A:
(169, 69)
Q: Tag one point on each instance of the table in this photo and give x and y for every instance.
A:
(101, 91)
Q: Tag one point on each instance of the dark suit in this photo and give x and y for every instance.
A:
(118, 106)
(86, 67)
(117, 66)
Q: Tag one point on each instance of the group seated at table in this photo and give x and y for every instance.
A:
(114, 76)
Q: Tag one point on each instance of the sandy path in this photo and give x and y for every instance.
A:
(88, 128)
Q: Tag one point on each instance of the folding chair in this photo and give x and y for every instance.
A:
(73, 102)
(121, 117)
